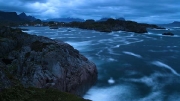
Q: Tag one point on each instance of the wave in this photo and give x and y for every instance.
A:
(111, 81)
(82, 46)
(157, 81)
(29, 31)
(133, 54)
(163, 65)
(111, 59)
(112, 93)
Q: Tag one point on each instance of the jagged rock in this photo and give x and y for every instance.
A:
(168, 33)
(44, 63)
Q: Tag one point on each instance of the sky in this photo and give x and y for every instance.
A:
(146, 11)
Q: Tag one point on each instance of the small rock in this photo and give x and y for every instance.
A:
(168, 33)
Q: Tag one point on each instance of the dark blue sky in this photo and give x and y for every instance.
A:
(150, 11)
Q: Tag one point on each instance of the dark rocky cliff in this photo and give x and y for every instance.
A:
(35, 61)
(23, 16)
(9, 16)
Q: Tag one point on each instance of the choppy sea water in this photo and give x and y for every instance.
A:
(131, 67)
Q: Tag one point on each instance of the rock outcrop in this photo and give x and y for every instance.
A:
(110, 25)
(36, 61)
(168, 34)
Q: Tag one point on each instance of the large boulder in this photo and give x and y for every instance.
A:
(44, 63)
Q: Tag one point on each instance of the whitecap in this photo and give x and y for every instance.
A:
(105, 40)
(150, 33)
(49, 32)
(99, 52)
(111, 51)
(117, 46)
(112, 93)
(157, 86)
(133, 54)
(62, 31)
(111, 81)
(127, 43)
(176, 27)
(111, 59)
(116, 35)
(29, 31)
(161, 64)
(120, 31)
(82, 46)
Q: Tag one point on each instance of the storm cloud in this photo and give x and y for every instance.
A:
(159, 11)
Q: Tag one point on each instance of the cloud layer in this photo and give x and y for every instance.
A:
(159, 11)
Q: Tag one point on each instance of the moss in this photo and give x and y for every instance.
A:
(20, 93)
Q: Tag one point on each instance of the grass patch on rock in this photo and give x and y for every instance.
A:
(20, 93)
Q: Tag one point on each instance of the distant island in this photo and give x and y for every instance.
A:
(111, 24)
(106, 18)
(173, 24)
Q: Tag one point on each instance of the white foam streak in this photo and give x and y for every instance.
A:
(133, 54)
(29, 31)
(160, 64)
(111, 59)
(114, 93)
(111, 81)
(80, 45)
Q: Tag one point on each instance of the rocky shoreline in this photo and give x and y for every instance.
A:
(36, 61)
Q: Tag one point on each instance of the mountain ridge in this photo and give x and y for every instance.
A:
(14, 17)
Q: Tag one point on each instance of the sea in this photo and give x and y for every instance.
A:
(131, 66)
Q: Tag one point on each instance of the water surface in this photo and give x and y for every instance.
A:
(131, 67)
